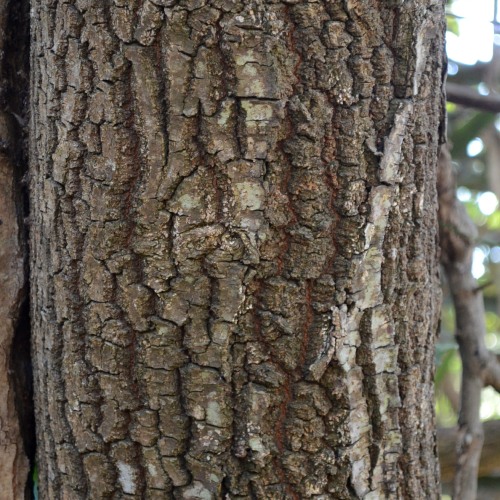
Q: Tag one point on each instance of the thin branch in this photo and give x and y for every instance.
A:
(490, 455)
(458, 234)
(491, 372)
(480, 288)
(467, 96)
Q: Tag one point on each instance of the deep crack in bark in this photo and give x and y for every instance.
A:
(18, 444)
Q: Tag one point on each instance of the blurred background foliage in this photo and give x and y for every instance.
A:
(473, 48)
(474, 137)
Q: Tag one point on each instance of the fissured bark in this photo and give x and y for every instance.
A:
(234, 247)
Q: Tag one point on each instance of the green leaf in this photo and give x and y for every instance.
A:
(492, 321)
(493, 221)
(452, 24)
(451, 107)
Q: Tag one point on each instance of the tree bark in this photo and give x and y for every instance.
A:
(13, 462)
(14, 465)
(235, 287)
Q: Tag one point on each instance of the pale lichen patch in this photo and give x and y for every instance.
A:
(389, 165)
(127, 478)
(249, 195)
(196, 491)
(213, 414)
(257, 110)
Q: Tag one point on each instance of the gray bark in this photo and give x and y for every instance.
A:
(235, 286)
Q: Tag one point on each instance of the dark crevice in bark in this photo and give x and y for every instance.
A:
(22, 381)
(14, 92)
(14, 108)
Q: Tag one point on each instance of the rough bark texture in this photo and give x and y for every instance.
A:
(14, 466)
(13, 462)
(235, 271)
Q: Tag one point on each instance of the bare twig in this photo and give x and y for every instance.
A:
(467, 96)
(480, 288)
(491, 372)
(490, 454)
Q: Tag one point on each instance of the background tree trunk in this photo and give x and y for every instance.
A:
(15, 398)
(13, 462)
(234, 262)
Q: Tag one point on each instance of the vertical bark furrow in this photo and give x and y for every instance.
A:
(409, 277)
(235, 210)
(14, 465)
(16, 426)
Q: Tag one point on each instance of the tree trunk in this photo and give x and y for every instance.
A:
(235, 287)
(14, 346)
(13, 462)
